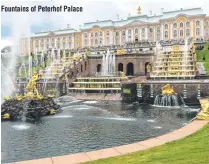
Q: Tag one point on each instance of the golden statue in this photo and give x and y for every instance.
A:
(31, 88)
(167, 90)
(149, 67)
(204, 113)
(139, 10)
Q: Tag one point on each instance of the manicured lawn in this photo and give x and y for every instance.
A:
(204, 52)
(190, 150)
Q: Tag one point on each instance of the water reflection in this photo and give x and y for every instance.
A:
(88, 126)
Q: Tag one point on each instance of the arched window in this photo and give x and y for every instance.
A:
(85, 35)
(136, 31)
(181, 33)
(92, 34)
(85, 42)
(166, 26)
(175, 25)
(117, 41)
(101, 33)
(158, 30)
(197, 31)
(117, 33)
(206, 32)
(181, 25)
(197, 23)
(107, 33)
(96, 41)
(143, 32)
(188, 24)
(92, 42)
(206, 23)
(129, 32)
(166, 34)
(158, 33)
(107, 40)
(96, 34)
(188, 32)
(123, 33)
(175, 33)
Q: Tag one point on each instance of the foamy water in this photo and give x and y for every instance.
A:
(21, 127)
(157, 127)
(150, 120)
(121, 119)
(90, 102)
(64, 116)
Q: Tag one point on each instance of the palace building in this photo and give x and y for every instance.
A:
(171, 25)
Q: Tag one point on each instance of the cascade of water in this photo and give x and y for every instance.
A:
(108, 64)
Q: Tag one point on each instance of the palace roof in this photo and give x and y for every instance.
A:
(144, 19)
(54, 32)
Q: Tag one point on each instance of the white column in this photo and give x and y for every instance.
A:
(89, 39)
(202, 28)
(161, 32)
(171, 30)
(146, 33)
(126, 40)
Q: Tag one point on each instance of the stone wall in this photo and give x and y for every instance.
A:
(191, 91)
(139, 62)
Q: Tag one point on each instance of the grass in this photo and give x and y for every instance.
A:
(193, 149)
(201, 53)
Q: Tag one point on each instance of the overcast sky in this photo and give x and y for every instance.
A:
(14, 25)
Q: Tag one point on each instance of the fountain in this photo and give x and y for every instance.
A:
(108, 64)
(168, 97)
(32, 105)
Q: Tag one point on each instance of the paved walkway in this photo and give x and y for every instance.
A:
(120, 150)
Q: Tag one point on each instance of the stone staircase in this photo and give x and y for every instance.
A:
(178, 63)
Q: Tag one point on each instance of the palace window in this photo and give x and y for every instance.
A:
(181, 25)
(101, 33)
(206, 23)
(107, 40)
(96, 41)
(166, 34)
(166, 26)
(188, 24)
(175, 25)
(85, 41)
(123, 33)
(107, 33)
(136, 31)
(117, 33)
(188, 32)
(69, 37)
(92, 34)
(58, 40)
(92, 42)
(58, 46)
(85, 35)
(96, 34)
(100, 41)
(63, 38)
(69, 44)
(143, 32)
(175, 33)
(197, 31)
(117, 41)
(207, 32)
(63, 45)
(129, 32)
(181, 33)
(197, 23)
(52, 40)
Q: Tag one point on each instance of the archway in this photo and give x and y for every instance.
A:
(130, 69)
(85, 65)
(147, 68)
(99, 68)
(81, 68)
(120, 67)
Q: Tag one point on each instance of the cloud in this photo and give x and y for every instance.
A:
(93, 10)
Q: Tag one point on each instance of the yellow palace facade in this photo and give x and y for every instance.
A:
(171, 25)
